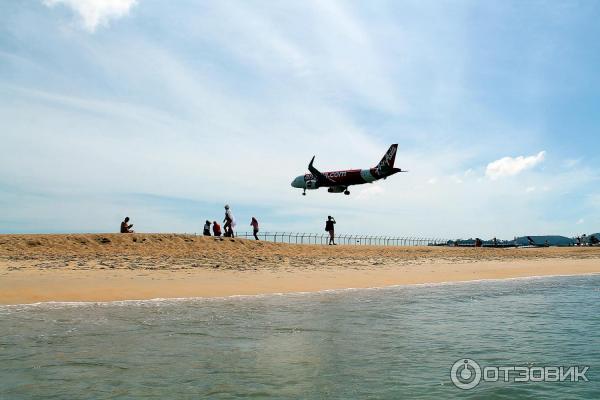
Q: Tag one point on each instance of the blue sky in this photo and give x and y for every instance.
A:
(165, 111)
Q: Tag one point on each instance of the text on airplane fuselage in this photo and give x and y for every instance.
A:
(334, 174)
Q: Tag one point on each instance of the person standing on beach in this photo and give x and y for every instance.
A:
(229, 222)
(329, 227)
(216, 229)
(254, 224)
(206, 228)
(125, 226)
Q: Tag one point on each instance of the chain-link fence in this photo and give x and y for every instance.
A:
(364, 240)
(373, 240)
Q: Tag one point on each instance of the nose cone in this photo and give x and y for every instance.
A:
(298, 182)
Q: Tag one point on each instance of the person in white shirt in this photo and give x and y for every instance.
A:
(229, 222)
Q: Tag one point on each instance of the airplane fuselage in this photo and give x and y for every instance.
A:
(340, 178)
(339, 181)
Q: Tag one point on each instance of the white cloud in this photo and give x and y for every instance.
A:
(509, 166)
(96, 12)
(530, 189)
(580, 221)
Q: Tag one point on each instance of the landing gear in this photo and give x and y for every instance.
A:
(346, 192)
(304, 192)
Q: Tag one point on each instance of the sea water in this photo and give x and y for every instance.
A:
(391, 343)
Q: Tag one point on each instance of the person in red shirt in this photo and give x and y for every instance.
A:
(216, 229)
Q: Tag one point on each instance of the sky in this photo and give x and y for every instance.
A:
(166, 111)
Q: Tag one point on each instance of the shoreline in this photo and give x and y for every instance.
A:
(27, 287)
(235, 296)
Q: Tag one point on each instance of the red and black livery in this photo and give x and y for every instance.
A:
(339, 181)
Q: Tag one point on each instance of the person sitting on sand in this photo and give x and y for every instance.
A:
(216, 229)
(254, 224)
(229, 222)
(207, 228)
(329, 227)
(125, 227)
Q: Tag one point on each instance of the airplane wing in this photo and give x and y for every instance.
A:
(321, 178)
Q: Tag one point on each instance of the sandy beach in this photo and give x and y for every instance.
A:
(105, 267)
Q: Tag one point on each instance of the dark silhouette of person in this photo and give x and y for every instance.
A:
(206, 231)
(329, 227)
(125, 227)
(254, 224)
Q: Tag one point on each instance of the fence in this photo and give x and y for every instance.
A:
(323, 238)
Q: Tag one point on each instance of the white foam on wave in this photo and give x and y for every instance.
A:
(163, 301)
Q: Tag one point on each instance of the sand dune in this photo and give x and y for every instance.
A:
(115, 266)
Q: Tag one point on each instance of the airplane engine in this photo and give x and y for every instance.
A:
(312, 184)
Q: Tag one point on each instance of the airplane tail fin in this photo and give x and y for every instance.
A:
(387, 162)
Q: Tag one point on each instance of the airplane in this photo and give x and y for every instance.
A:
(339, 181)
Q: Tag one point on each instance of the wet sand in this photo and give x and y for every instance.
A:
(105, 267)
